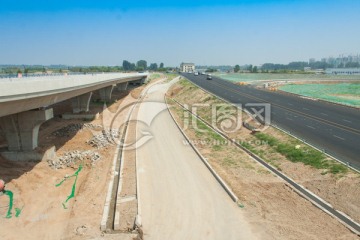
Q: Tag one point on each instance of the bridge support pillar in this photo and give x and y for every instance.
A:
(122, 86)
(21, 130)
(81, 103)
(105, 93)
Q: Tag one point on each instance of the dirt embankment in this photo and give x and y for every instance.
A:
(41, 200)
(273, 207)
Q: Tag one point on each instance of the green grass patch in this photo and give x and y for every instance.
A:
(186, 83)
(306, 155)
(171, 76)
(269, 139)
(154, 75)
(338, 168)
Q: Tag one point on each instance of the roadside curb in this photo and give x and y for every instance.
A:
(203, 159)
(118, 192)
(118, 150)
(109, 191)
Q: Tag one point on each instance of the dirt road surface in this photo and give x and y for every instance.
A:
(179, 198)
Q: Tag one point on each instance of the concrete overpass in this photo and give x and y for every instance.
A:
(25, 102)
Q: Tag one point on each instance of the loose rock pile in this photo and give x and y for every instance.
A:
(74, 127)
(71, 158)
(105, 138)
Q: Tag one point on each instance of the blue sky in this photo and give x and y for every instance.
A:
(203, 32)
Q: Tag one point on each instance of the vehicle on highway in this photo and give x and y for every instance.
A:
(196, 73)
(203, 73)
(209, 77)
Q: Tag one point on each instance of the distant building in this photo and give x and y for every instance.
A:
(343, 71)
(187, 67)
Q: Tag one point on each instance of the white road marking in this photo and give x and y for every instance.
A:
(324, 114)
(290, 104)
(339, 137)
(310, 126)
(347, 121)
(289, 119)
(305, 108)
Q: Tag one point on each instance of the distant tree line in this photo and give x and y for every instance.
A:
(301, 65)
(95, 69)
(141, 65)
(293, 67)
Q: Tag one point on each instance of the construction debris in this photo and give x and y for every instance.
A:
(105, 138)
(74, 127)
(71, 158)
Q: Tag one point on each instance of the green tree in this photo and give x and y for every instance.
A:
(255, 70)
(250, 67)
(153, 66)
(132, 66)
(141, 64)
(237, 68)
(161, 65)
(126, 65)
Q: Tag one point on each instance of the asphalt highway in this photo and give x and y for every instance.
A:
(331, 127)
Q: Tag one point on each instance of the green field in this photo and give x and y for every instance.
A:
(253, 77)
(345, 93)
